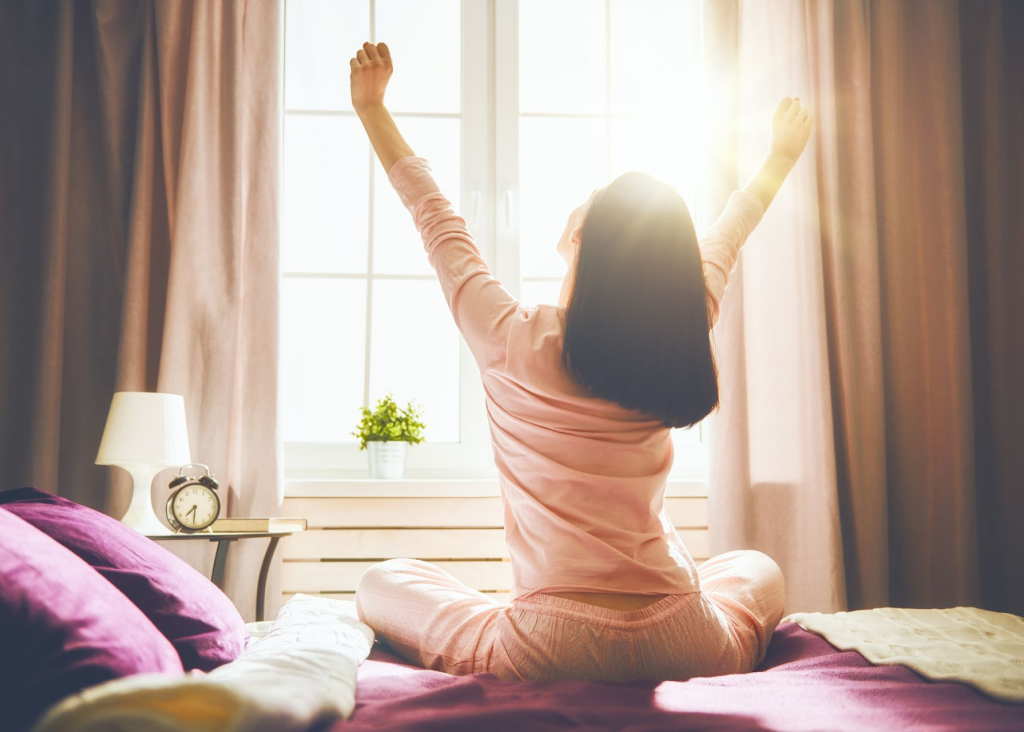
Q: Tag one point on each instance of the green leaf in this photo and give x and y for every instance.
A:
(387, 421)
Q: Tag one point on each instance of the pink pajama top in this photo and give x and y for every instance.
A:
(582, 479)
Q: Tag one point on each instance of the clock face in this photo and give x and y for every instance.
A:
(195, 506)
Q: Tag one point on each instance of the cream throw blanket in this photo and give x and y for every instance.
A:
(977, 647)
(300, 674)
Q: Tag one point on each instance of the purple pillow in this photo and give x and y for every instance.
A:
(63, 627)
(195, 616)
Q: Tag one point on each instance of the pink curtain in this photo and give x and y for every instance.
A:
(138, 206)
(773, 482)
(845, 446)
(992, 65)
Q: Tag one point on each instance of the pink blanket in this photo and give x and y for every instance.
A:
(803, 684)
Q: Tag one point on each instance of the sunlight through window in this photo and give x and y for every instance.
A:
(602, 87)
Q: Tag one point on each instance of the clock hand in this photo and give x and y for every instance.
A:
(192, 511)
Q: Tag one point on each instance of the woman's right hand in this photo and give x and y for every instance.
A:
(371, 70)
(791, 128)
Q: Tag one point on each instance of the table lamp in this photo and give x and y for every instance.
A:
(145, 434)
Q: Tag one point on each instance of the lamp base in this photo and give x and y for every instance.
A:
(140, 515)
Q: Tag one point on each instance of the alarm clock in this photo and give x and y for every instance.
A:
(194, 504)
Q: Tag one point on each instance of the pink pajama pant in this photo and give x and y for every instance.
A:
(431, 619)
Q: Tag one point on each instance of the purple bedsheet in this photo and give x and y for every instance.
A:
(803, 684)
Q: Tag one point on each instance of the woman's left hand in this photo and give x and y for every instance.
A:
(371, 70)
(791, 128)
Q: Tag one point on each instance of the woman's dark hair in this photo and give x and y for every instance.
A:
(637, 326)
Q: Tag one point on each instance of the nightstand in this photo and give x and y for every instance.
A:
(224, 541)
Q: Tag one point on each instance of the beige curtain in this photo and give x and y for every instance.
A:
(138, 206)
(992, 66)
(852, 337)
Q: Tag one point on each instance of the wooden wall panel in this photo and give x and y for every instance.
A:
(344, 576)
(430, 544)
(443, 512)
(462, 534)
(286, 596)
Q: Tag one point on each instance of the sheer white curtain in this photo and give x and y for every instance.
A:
(773, 472)
(859, 441)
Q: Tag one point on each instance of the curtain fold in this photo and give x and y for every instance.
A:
(138, 219)
(926, 338)
(773, 473)
(881, 232)
(852, 286)
(992, 66)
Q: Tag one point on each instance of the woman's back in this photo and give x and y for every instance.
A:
(583, 479)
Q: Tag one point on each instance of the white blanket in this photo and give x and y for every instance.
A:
(977, 647)
(301, 673)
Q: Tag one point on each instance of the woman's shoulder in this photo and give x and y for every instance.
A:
(541, 310)
(535, 336)
(540, 317)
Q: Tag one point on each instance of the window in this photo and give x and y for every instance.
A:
(523, 109)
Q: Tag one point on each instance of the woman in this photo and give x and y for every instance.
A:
(581, 398)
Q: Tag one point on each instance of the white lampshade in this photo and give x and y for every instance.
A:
(145, 429)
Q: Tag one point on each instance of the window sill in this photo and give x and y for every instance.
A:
(436, 488)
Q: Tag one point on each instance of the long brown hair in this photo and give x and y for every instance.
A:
(637, 326)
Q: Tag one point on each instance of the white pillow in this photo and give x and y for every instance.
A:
(302, 673)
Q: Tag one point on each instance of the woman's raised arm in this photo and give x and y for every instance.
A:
(481, 307)
(720, 245)
(371, 70)
(791, 128)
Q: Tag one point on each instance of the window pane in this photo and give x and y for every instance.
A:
(561, 162)
(691, 436)
(562, 56)
(323, 334)
(320, 37)
(660, 146)
(541, 293)
(326, 204)
(690, 453)
(414, 353)
(652, 44)
(397, 247)
(425, 38)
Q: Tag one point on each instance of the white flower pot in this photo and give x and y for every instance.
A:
(387, 459)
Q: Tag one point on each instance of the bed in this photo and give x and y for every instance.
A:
(803, 684)
(284, 683)
(104, 630)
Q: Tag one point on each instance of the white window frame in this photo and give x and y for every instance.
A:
(490, 203)
(471, 456)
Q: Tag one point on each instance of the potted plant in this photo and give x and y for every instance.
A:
(384, 432)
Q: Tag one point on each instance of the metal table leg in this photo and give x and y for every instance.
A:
(220, 561)
(261, 588)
